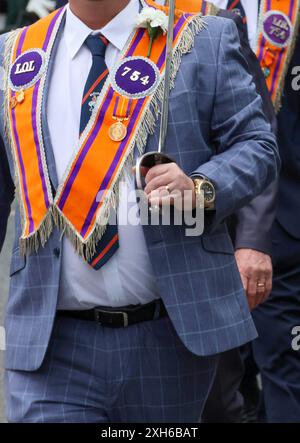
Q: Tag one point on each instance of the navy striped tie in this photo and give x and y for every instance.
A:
(96, 78)
(237, 7)
(97, 44)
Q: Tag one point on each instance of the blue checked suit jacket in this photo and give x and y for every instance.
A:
(216, 129)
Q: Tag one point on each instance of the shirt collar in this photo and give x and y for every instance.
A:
(117, 31)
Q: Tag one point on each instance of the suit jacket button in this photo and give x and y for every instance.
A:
(56, 252)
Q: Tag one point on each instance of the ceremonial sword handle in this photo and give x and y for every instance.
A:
(151, 159)
(147, 161)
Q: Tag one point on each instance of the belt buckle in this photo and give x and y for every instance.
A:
(98, 313)
(125, 318)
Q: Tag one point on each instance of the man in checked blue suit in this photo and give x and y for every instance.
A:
(137, 340)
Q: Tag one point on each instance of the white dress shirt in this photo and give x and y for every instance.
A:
(127, 278)
(251, 10)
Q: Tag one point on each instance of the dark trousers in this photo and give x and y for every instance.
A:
(225, 403)
(272, 353)
(278, 362)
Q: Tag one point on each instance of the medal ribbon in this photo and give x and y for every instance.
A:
(122, 108)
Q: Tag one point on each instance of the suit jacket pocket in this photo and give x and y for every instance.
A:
(18, 262)
(218, 243)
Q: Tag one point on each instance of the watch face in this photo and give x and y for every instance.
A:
(209, 192)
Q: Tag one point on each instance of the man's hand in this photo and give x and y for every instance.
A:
(167, 184)
(256, 272)
(41, 7)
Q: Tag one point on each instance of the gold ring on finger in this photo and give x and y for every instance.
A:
(260, 285)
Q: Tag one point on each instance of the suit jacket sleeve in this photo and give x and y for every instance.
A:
(6, 192)
(246, 158)
(251, 226)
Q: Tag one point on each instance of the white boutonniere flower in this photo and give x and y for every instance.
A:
(41, 7)
(155, 21)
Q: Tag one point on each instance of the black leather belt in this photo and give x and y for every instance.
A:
(119, 317)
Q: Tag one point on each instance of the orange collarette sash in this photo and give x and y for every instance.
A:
(105, 149)
(277, 31)
(196, 6)
(278, 26)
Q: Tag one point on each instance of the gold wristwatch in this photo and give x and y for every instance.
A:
(205, 190)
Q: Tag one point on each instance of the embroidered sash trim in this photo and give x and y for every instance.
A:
(89, 188)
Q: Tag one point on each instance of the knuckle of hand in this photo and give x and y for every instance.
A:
(250, 269)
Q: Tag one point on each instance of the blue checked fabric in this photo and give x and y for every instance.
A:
(216, 129)
(97, 44)
(140, 374)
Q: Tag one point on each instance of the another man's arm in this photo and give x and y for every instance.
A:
(252, 234)
(251, 226)
(247, 160)
(6, 192)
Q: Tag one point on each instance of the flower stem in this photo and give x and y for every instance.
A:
(150, 46)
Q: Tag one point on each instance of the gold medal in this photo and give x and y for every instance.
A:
(117, 131)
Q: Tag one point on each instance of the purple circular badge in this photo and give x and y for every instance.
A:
(135, 77)
(27, 69)
(277, 28)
